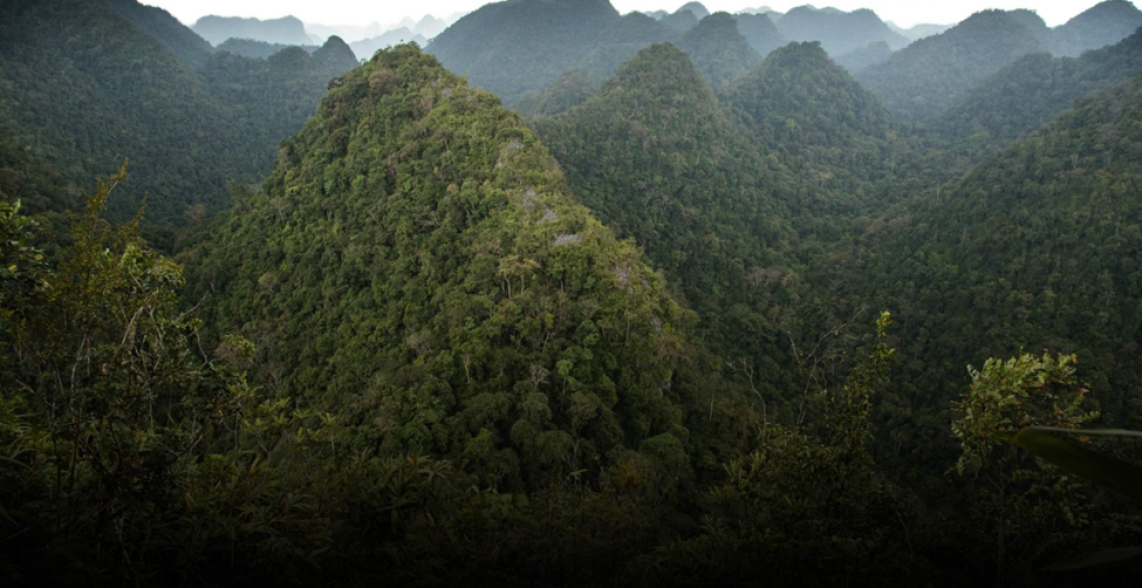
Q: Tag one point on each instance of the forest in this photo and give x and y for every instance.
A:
(569, 297)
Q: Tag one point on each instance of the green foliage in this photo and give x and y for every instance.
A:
(1026, 94)
(718, 50)
(415, 266)
(84, 88)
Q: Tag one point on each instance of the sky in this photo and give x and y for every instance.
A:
(363, 12)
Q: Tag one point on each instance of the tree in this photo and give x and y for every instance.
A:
(1020, 498)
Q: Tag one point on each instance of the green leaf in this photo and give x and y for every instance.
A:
(1119, 476)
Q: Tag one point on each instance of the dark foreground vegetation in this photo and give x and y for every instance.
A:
(712, 320)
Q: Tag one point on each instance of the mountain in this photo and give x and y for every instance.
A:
(183, 43)
(859, 59)
(922, 80)
(838, 32)
(838, 140)
(654, 156)
(429, 26)
(1033, 249)
(285, 31)
(571, 88)
(680, 20)
(365, 48)
(257, 49)
(695, 8)
(1022, 96)
(760, 32)
(800, 99)
(1103, 24)
(275, 96)
(520, 45)
(416, 266)
(718, 50)
(83, 89)
(619, 42)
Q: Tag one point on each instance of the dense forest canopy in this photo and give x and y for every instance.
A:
(570, 298)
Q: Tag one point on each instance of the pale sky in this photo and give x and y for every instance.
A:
(363, 12)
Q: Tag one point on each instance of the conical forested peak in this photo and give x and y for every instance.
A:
(416, 265)
(335, 53)
(718, 49)
(659, 72)
(800, 97)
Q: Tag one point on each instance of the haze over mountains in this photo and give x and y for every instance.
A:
(567, 297)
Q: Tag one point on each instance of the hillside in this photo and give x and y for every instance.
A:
(183, 43)
(1104, 24)
(656, 159)
(838, 32)
(520, 45)
(760, 32)
(257, 49)
(284, 31)
(1022, 96)
(416, 265)
(803, 105)
(1032, 250)
(84, 116)
(718, 50)
(922, 80)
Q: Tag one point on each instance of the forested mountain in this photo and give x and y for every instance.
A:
(187, 133)
(804, 107)
(1020, 97)
(718, 50)
(515, 46)
(717, 335)
(416, 265)
(922, 80)
(84, 116)
(656, 158)
(759, 32)
(621, 41)
(1103, 24)
(680, 20)
(1036, 249)
(257, 49)
(278, 93)
(182, 42)
(858, 59)
(285, 31)
(838, 32)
